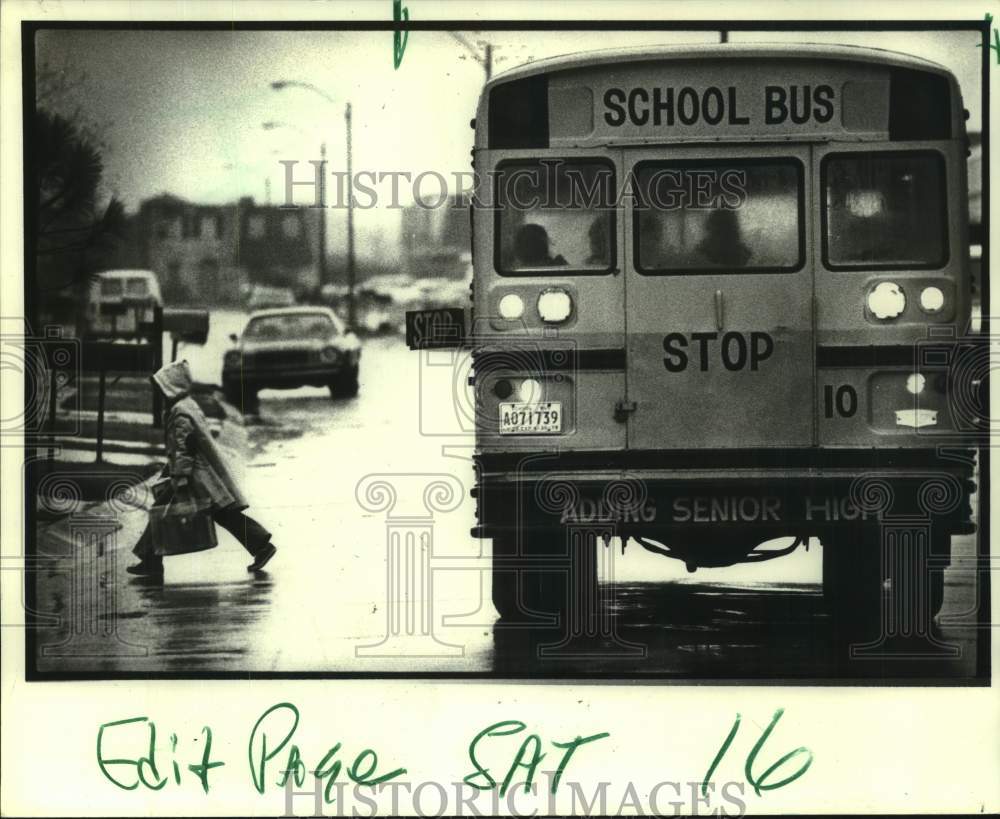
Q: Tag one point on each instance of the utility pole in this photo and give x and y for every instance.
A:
(485, 59)
(281, 85)
(271, 125)
(351, 307)
(322, 215)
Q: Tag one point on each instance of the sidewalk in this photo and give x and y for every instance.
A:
(89, 609)
(127, 414)
(134, 449)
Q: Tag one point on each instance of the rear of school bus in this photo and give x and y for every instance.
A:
(718, 297)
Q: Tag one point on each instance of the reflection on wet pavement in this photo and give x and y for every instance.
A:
(325, 604)
(189, 624)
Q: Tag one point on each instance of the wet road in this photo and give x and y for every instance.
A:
(338, 482)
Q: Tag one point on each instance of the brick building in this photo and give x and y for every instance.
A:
(436, 241)
(206, 253)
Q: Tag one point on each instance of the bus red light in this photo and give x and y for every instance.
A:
(886, 300)
(554, 306)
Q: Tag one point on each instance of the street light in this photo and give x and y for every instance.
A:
(281, 85)
(273, 124)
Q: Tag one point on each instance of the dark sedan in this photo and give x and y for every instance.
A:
(291, 347)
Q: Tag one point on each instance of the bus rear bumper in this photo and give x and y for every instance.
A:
(788, 496)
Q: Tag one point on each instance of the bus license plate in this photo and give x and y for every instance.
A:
(531, 419)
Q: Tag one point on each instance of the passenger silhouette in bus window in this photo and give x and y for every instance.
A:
(531, 248)
(886, 235)
(652, 253)
(722, 244)
(598, 236)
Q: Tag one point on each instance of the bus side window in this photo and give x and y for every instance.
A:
(555, 214)
(885, 209)
(711, 215)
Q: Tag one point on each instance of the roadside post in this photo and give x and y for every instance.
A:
(185, 326)
(156, 339)
(61, 357)
(100, 357)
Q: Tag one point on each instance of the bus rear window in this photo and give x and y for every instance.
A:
(719, 216)
(884, 211)
(555, 218)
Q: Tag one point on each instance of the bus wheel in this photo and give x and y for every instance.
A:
(855, 582)
(543, 573)
(853, 586)
(941, 549)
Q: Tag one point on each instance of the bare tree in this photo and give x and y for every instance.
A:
(68, 171)
(75, 226)
(61, 89)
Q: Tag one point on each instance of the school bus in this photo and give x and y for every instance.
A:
(718, 297)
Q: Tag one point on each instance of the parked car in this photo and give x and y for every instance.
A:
(291, 347)
(121, 301)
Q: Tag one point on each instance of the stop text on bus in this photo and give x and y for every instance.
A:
(736, 351)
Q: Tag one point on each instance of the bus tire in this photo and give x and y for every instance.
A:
(852, 587)
(855, 581)
(519, 587)
(541, 579)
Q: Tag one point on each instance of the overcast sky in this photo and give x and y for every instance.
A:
(181, 112)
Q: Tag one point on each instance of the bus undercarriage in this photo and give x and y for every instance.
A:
(884, 520)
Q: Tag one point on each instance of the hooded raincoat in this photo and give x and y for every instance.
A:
(191, 450)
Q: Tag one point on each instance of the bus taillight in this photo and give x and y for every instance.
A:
(511, 307)
(931, 299)
(554, 305)
(886, 300)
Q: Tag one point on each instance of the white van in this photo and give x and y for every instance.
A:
(121, 300)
